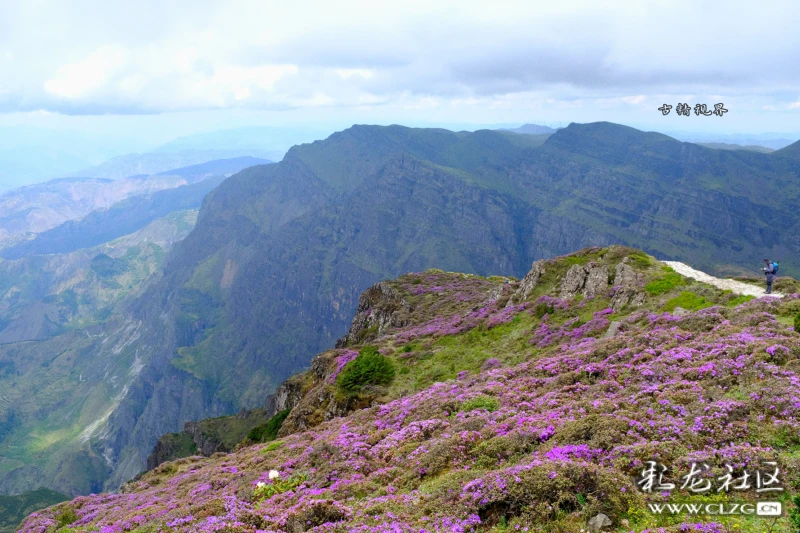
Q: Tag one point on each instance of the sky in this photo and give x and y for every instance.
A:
(148, 71)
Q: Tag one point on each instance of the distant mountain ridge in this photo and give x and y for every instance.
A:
(272, 272)
(158, 163)
(122, 218)
(37, 208)
(532, 129)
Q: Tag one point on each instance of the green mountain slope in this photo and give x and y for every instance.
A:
(13, 509)
(273, 269)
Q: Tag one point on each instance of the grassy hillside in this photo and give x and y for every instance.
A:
(273, 269)
(527, 405)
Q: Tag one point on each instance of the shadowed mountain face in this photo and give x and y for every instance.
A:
(272, 272)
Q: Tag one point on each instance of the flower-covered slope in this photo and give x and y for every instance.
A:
(525, 405)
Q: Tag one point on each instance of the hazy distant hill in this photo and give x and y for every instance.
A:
(157, 163)
(41, 296)
(120, 219)
(727, 146)
(269, 142)
(34, 209)
(532, 129)
(31, 155)
(272, 272)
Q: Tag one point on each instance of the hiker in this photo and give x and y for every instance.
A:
(768, 267)
(770, 277)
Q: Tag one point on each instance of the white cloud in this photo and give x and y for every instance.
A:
(413, 55)
(347, 73)
(82, 78)
(638, 99)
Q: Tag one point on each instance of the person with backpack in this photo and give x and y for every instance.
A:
(770, 275)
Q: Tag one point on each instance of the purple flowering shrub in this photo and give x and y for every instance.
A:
(563, 436)
(503, 415)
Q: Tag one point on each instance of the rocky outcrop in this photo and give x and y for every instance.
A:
(207, 444)
(379, 308)
(596, 281)
(627, 287)
(287, 396)
(170, 447)
(590, 281)
(530, 280)
(573, 282)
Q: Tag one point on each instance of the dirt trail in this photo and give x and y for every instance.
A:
(735, 286)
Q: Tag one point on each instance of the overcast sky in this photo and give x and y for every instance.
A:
(166, 68)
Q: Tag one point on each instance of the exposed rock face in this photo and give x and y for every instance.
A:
(596, 281)
(530, 280)
(206, 444)
(625, 275)
(287, 396)
(379, 308)
(170, 447)
(627, 287)
(573, 282)
(591, 281)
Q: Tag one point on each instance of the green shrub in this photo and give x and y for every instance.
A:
(369, 368)
(66, 517)
(481, 402)
(664, 284)
(794, 514)
(797, 322)
(542, 309)
(268, 431)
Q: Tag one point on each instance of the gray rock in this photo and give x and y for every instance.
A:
(596, 281)
(598, 523)
(612, 331)
(530, 280)
(625, 276)
(627, 283)
(573, 282)
(680, 311)
(379, 308)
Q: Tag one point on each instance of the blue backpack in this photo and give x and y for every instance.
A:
(775, 267)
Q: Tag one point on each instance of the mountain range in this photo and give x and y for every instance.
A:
(28, 212)
(273, 269)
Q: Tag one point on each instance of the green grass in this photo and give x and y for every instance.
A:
(687, 300)
(443, 358)
(665, 283)
(742, 298)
